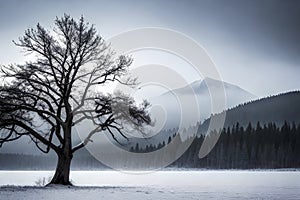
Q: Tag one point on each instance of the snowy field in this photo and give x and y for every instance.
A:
(154, 185)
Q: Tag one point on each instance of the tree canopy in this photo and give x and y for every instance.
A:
(45, 97)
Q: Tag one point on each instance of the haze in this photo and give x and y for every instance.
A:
(255, 44)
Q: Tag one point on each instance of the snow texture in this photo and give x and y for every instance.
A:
(156, 185)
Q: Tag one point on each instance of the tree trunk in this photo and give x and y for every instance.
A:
(62, 172)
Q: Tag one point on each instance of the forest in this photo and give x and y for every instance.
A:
(258, 146)
(255, 146)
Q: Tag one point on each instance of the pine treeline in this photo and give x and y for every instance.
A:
(253, 147)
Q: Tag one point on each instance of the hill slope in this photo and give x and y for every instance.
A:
(276, 109)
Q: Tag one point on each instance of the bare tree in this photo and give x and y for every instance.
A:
(45, 98)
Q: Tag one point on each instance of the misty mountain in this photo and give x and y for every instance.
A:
(193, 103)
(186, 107)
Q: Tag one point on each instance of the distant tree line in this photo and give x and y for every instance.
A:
(25, 162)
(258, 146)
(10, 161)
(267, 146)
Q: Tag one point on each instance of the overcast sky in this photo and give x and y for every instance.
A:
(255, 44)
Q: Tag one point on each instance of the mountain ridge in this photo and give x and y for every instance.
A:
(272, 109)
(196, 100)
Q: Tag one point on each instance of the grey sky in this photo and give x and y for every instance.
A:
(255, 44)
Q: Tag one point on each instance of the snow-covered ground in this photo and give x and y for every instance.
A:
(159, 185)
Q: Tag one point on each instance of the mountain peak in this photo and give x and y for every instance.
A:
(201, 91)
(203, 83)
(210, 79)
